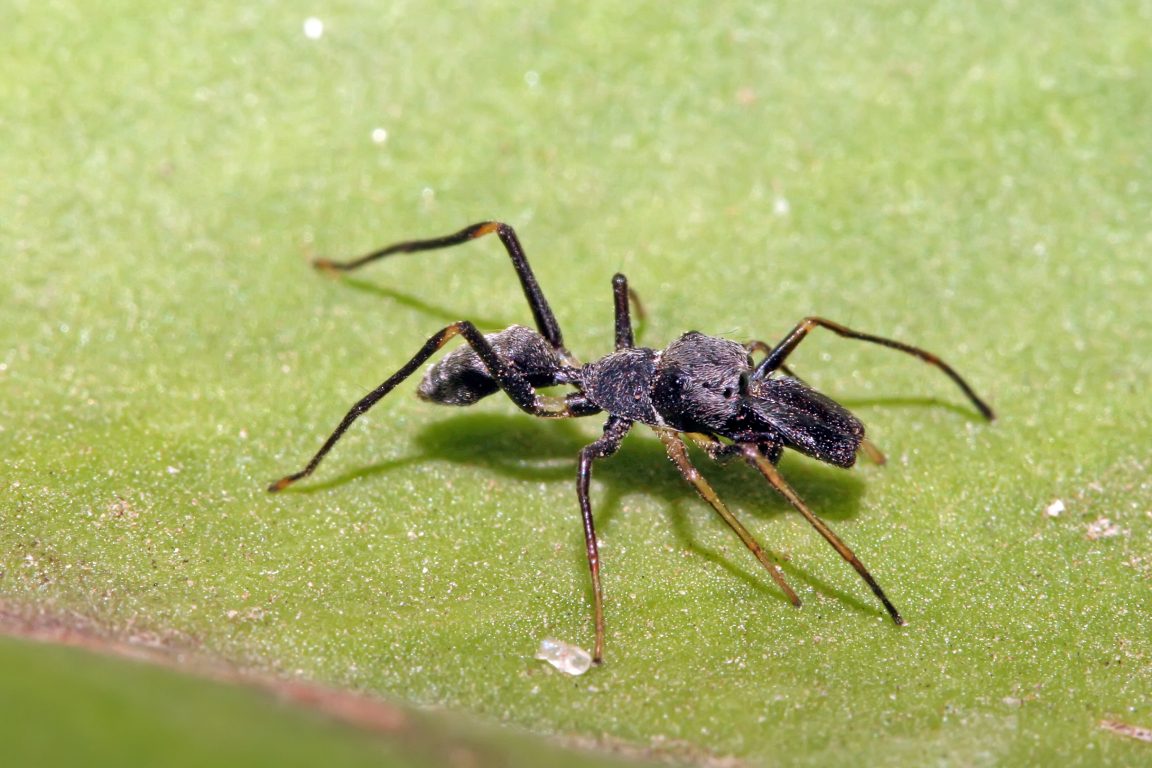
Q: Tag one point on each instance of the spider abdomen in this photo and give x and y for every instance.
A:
(461, 378)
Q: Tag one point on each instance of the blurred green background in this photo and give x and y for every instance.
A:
(971, 177)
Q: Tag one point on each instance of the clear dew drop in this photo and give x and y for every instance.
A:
(569, 659)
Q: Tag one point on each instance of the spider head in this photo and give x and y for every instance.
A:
(706, 384)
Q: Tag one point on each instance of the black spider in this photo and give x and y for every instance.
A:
(701, 387)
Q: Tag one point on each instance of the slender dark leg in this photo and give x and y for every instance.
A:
(768, 469)
(764, 348)
(614, 431)
(867, 447)
(779, 354)
(545, 320)
(627, 302)
(511, 381)
(674, 444)
(756, 345)
(621, 294)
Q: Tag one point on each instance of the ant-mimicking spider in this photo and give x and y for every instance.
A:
(702, 388)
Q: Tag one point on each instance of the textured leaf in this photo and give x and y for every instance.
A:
(970, 177)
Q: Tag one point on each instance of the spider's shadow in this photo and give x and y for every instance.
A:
(443, 314)
(538, 451)
(527, 450)
(408, 300)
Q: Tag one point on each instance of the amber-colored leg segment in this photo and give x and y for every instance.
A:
(759, 461)
(718, 451)
(874, 454)
(674, 444)
(779, 354)
(545, 320)
(614, 431)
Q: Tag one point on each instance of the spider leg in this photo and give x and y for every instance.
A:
(674, 444)
(545, 320)
(614, 431)
(514, 384)
(874, 454)
(621, 295)
(758, 460)
(780, 353)
(625, 300)
(718, 451)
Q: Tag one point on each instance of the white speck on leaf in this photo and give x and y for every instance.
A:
(1103, 528)
(313, 28)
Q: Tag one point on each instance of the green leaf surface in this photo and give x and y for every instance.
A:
(63, 706)
(974, 178)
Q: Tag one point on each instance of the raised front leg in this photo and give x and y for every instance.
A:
(545, 320)
(777, 356)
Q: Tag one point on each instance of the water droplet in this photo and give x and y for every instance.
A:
(569, 659)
